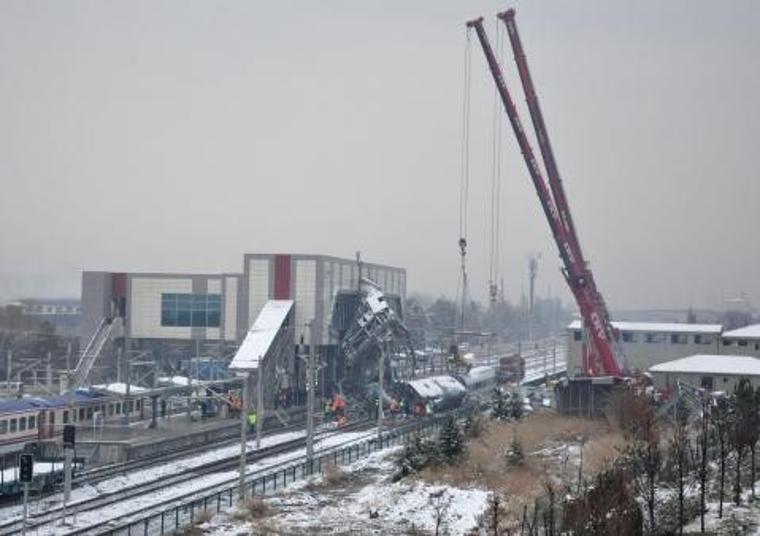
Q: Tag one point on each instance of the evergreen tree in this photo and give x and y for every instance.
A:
(515, 407)
(499, 409)
(450, 440)
(418, 453)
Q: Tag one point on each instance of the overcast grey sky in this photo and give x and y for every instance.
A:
(177, 135)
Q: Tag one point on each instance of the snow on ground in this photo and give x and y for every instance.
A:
(363, 501)
(203, 483)
(126, 480)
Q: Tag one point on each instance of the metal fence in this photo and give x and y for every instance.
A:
(184, 514)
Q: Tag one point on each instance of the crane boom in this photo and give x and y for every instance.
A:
(578, 276)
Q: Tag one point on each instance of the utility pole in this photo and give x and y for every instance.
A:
(310, 403)
(259, 402)
(381, 374)
(243, 439)
(9, 371)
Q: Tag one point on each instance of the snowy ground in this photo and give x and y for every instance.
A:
(361, 500)
(84, 493)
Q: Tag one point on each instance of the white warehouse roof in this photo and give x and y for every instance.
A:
(727, 365)
(747, 332)
(260, 337)
(666, 327)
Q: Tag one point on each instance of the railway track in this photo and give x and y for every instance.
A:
(145, 489)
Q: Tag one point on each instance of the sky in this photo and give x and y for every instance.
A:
(177, 135)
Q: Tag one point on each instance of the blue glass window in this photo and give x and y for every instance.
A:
(191, 310)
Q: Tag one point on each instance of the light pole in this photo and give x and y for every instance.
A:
(243, 407)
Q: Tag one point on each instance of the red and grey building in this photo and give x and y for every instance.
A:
(211, 313)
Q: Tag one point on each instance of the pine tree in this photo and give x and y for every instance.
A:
(450, 440)
(499, 408)
(515, 407)
(417, 453)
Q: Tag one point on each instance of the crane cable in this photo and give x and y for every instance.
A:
(464, 185)
(496, 161)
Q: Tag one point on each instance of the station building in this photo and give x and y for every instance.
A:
(177, 316)
(644, 344)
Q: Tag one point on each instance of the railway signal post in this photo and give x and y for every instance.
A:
(26, 473)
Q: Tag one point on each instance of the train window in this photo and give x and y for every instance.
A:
(32, 424)
(14, 425)
(118, 408)
(22, 424)
(65, 416)
(81, 413)
(137, 405)
(3, 427)
(110, 409)
(130, 407)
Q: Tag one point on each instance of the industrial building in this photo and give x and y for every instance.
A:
(711, 372)
(169, 318)
(742, 341)
(644, 344)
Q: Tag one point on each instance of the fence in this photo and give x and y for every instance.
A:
(184, 514)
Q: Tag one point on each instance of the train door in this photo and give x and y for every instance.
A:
(41, 424)
(51, 424)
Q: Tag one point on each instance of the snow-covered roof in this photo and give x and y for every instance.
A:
(666, 327)
(436, 386)
(727, 365)
(174, 380)
(479, 374)
(747, 332)
(261, 335)
(119, 388)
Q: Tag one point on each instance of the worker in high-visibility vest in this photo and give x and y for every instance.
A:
(251, 418)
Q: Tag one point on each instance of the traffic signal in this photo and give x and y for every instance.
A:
(69, 433)
(26, 468)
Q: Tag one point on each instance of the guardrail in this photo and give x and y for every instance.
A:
(179, 516)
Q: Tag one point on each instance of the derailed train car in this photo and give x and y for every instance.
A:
(445, 392)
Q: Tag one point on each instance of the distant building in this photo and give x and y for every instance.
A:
(645, 344)
(742, 341)
(711, 372)
(63, 314)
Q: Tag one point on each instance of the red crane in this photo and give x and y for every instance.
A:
(596, 318)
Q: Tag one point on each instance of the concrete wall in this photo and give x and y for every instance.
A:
(96, 303)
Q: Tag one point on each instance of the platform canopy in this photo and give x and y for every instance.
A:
(261, 337)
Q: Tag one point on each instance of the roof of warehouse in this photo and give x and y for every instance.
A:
(747, 332)
(670, 327)
(261, 335)
(733, 365)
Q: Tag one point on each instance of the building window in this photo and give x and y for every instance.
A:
(32, 422)
(577, 335)
(629, 336)
(14, 425)
(742, 343)
(65, 416)
(678, 338)
(22, 424)
(3, 427)
(703, 339)
(191, 310)
(707, 382)
(654, 338)
(726, 343)
(81, 414)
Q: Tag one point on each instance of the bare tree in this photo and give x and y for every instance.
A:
(704, 437)
(722, 427)
(679, 457)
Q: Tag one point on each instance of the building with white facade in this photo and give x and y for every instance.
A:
(711, 372)
(644, 344)
(742, 341)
